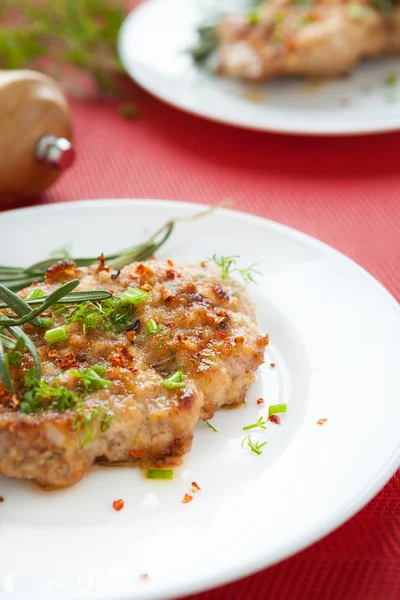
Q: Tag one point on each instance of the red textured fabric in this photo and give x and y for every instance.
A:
(345, 192)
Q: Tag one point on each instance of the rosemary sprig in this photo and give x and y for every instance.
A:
(17, 278)
(18, 306)
(73, 298)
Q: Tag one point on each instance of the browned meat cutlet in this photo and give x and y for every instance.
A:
(322, 38)
(205, 328)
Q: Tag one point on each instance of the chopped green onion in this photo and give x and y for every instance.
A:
(133, 296)
(277, 408)
(59, 334)
(46, 323)
(152, 327)
(159, 474)
(37, 293)
(176, 381)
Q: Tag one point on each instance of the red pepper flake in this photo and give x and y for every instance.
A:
(170, 273)
(1, 499)
(131, 335)
(137, 453)
(187, 498)
(140, 270)
(116, 360)
(203, 264)
(118, 505)
(260, 401)
(132, 369)
(52, 354)
(102, 263)
(321, 421)
(275, 419)
(146, 287)
(144, 576)
(222, 335)
(69, 361)
(169, 325)
(272, 365)
(195, 488)
(170, 263)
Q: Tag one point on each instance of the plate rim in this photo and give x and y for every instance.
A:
(175, 102)
(353, 505)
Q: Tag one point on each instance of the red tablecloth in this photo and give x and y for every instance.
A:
(345, 192)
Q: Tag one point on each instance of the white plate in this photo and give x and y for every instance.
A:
(335, 341)
(153, 46)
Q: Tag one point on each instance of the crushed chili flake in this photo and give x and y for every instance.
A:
(321, 421)
(195, 488)
(52, 354)
(272, 365)
(115, 274)
(144, 576)
(260, 401)
(137, 453)
(116, 360)
(132, 369)
(275, 419)
(203, 264)
(187, 498)
(140, 269)
(146, 287)
(118, 505)
(169, 325)
(1, 499)
(170, 263)
(222, 335)
(170, 273)
(102, 263)
(69, 361)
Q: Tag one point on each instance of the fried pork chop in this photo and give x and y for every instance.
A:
(195, 326)
(323, 38)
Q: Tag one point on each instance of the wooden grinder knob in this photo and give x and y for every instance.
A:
(35, 134)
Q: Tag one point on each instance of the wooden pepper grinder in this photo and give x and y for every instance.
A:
(35, 134)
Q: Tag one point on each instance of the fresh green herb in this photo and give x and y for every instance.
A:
(91, 378)
(159, 474)
(4, 370)
(83, 423)
(66, 38)
(253, 17)
(29, 379)
(211, 427)
(61, 254)
(129, 111)
(176, 381)
(106, 421)
(228, 265)
(208, 42)
(262, 423)
(21, 308)
(277, 408)
(391, 79)
(35, 294)
(355, 11)
(58, 334)
(88, 313)
(254, 447)
(152, 327)
(43, 396)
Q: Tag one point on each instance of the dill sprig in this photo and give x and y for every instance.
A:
(254, 447)
(229, 265)
(261, 423)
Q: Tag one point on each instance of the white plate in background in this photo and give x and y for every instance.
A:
(153, 46)
(335, 340)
